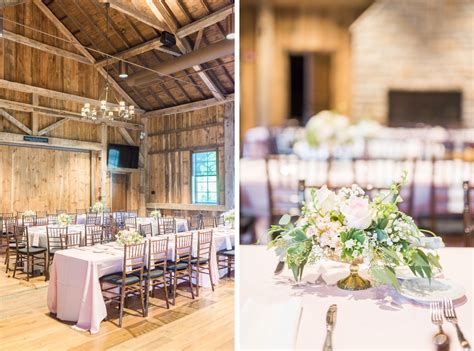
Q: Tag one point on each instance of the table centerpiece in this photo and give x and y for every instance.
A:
(128, 237)
(29, 213)
(64, 219)
(98, 207)
(350, 227)
(155, 213)
(229, 218)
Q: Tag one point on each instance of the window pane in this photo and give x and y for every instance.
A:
(204, 174)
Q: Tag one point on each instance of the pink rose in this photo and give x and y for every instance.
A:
(357, 213)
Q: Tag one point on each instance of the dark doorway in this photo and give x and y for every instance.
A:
(442, 108)
(309, 85)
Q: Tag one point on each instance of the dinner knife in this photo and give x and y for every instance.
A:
(330, 324)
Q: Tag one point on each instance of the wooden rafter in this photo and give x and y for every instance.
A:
(126, 135)
(205, 22)
(133, 12)
(17, 38)
(187, 107)
(52, 126)
(15, 122)
(161, 9)
(56, 113)
(64, 31)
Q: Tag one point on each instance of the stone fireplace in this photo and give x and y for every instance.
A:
(412, 62)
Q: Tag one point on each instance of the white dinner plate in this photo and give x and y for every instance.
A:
(404, 272)
(421, 290)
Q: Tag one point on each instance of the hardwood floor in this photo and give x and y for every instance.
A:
(206, 323)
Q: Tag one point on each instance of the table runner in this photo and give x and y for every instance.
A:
(74, 292)
(374, 319)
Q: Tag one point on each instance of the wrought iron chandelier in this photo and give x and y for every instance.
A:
(106, 110)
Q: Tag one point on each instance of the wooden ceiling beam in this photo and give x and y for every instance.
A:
(205, 22)
(25, 88)
(126, 135)
(56, 113)
(15, 122)
(17, 139)
(192, 106)
(135, 13)
(64, 31)
(161, 9)
(17, 38)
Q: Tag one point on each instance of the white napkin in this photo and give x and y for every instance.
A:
(277, 331)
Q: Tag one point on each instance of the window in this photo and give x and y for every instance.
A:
(204, 177)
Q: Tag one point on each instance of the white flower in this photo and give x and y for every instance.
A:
(349, 244)
(432, 243)
(29, 213)
(326, 199)
(311, 231)
(357, 213)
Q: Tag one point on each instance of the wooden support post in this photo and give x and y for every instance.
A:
(143, 192)
(34, 115)
(103, 165)
(229, 152)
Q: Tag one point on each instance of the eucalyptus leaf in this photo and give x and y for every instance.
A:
(285, 219)
(381, 235)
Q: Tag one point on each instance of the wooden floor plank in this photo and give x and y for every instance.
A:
(206, 323)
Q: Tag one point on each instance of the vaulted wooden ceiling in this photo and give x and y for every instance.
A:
(135, 27)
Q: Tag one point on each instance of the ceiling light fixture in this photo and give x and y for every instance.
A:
(230, 27)
(123, 69)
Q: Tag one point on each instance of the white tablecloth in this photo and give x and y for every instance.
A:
(37, 234)
(74, 292)
(374, 319)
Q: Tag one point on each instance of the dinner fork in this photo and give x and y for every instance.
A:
(450, 315)
(441, 339)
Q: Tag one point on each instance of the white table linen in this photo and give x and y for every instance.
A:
(374, 319)
(74, 292)
(181, 224)
(37, 234)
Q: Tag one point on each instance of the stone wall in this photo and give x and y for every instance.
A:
(412, 45)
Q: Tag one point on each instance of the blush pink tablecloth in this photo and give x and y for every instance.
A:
(374, 319)
(74, 292)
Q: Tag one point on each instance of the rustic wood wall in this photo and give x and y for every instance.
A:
(171, 141)
(27, 65)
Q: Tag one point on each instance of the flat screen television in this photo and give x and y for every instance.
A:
(123, 156)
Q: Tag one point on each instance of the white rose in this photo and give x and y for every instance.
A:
(326, 199)
(432, 243)
(357, 213)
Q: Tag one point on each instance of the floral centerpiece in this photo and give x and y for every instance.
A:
(350, 227)
(127, 237)
(155, 213)
(229, 218)
(29, 213)
(64, 219)
(98, 207)
(328, 128)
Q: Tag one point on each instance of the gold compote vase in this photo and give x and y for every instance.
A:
(354, 281)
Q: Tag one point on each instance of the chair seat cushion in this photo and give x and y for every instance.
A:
(33, 250)
(170, 266)
(226, 253)
(54, 249)
(13, 245)
(155, 273)
(116, 279)
(195, 260)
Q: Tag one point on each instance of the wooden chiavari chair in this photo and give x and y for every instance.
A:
(92, 219)
(180, 268)
(166, 225)
(131, 222)
(110, 229)
(56, 240)
(52, 219)
(26, 255)
(6, 230)
(282, 172)
(11, 242)
(28, 221)
(42, 221)
(468, 213)
(201, 264)
(208, 222)
(94, 234)
(194, 222)
(73, 240)
(226, 260)
(447, 176)
(145, 230)
(130, 280)
(155, 274)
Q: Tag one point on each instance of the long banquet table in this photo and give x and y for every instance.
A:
(181, 223)
(74, 292)
(374, 319)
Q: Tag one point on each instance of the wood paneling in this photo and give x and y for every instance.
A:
(171, 141)
(119, 191)
(44, 179)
